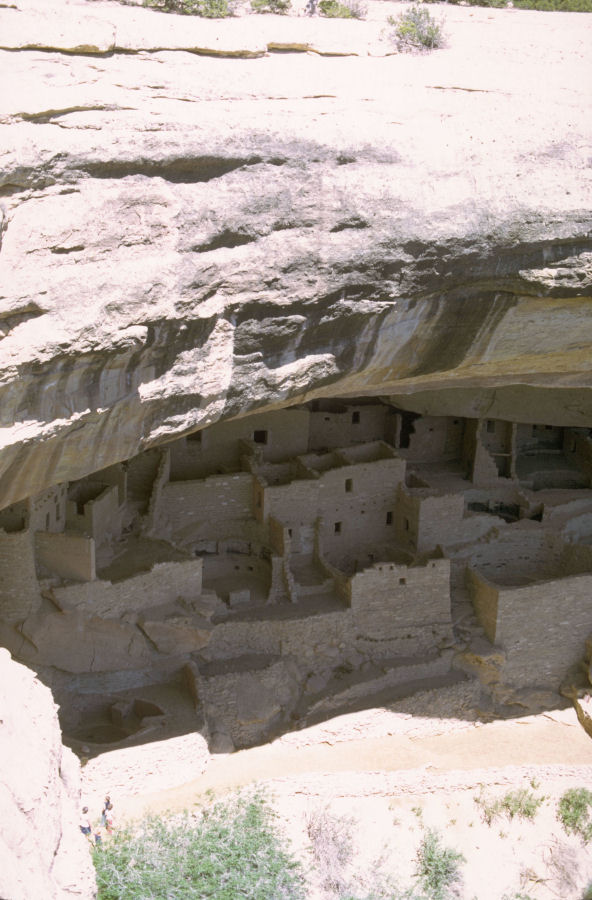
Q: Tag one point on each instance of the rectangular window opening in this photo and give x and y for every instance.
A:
(337, 528)
(490, 426)
(389, 518)
(406, 524)
(402, 581)
(349, 485)
(260, 436)
(356, 418)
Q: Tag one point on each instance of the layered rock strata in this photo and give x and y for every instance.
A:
(187, 238)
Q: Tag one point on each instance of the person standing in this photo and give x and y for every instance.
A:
(85, 825)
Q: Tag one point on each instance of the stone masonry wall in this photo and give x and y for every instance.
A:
(19, 588)
(219, 447)
(162, 584)
(70, 555)
(388, 598)
(206, 506)
(330, 430)
(543, 628)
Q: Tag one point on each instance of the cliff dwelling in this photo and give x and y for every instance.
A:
(270, 571)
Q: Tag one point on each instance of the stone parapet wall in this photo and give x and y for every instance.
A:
(388, 598)
(543, 628)
(164, 583)
(300, 637)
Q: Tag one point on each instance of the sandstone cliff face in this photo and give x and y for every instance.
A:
(188, 237)
(42, 852)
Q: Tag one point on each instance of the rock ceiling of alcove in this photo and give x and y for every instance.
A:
(189, 237)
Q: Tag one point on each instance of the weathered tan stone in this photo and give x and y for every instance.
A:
(177, 634)
(42, 852)
(74, 643)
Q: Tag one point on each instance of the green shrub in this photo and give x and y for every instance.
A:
(207, 9)
(574, 813)
(544, 5)
(228, 851)
(438, 867)
(520, 804)
(279, 7)
(555, 5)
(416, 29)
(349, 9)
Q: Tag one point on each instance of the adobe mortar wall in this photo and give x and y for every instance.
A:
(71, 556)
(361, 510)
(219, 448)
(436, 438)
(330, 429)
(47, 511)
(19, 588)
(484, 597)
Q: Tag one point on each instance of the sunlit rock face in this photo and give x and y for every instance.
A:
(188, 238)
(40, 795)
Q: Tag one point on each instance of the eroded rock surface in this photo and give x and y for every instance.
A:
(42, 852)
(189, 237)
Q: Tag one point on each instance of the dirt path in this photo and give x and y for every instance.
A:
(548, 740)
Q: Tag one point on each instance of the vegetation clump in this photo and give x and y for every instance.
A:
(229, 850)
(573, 812)
(207, 9)
(279, 7)
(438, 867)
(416, 29)
(520, 804)
(349, 9)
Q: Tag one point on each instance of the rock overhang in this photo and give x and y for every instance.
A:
(189, 239)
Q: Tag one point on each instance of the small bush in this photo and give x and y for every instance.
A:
(416, 29)
(543, 5)
(207, 9)
(520, 804)
(349, 9)
(438, 867)
(231, 850)
(331, 840)
(574, 813)
(279, 7)
(555, 5)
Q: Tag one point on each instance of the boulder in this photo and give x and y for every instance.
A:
(177, 635)
(73, 643)
(42, 851)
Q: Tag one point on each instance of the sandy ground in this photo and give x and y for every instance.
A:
(384, 792)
